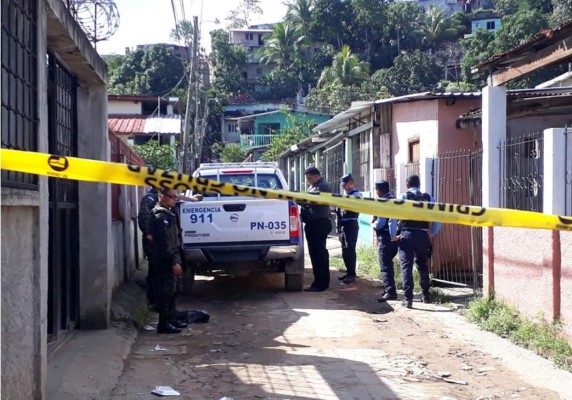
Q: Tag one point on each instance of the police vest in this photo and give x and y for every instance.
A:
(411, 224)
(345, 214)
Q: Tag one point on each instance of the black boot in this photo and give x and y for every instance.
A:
(164, 326)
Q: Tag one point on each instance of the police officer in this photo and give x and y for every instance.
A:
(148, 202)
(164, 227)
(348, 228)
(414, 242)
(317, 227)
(386, 248)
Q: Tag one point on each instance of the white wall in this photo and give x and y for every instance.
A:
(123, 107)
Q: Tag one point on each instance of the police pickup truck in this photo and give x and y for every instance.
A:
(236, 235)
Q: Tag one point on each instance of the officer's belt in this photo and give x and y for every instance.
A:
(348, 219)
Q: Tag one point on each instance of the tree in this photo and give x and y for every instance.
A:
(518, 28)
(369, 27)
(157, 155)
(404, 17)
(154, 71)
(436, 28)
(231, 152)
(331, 22)
(476, 49)
(227, 60)
(297, 129)
(346, 70)
(183, 32)
(240, 17)
(411, 73)
(282, 46)
(299, 13)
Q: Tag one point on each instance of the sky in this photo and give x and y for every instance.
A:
(151, 21)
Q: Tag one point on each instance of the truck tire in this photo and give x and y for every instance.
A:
(294, 282)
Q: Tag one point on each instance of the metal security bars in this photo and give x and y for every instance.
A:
(63, 263)
(19, 85)
(457, 255)
(521, 172)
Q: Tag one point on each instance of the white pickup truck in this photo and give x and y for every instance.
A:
(235, 235)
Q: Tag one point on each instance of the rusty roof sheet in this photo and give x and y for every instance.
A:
(541, 39)
(126, 124)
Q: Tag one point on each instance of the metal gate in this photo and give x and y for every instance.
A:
(63, 261)
(457, 256)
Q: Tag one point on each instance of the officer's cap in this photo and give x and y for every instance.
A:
(382, 185)
(347, 178)
(312, 170)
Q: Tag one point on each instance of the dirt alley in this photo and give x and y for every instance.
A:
(265, 343)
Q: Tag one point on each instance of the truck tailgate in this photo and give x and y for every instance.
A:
(241, 220)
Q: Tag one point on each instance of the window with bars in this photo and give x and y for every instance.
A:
(19, 85)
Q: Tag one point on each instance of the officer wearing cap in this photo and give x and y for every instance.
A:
(386, 248)
(317, 227)
(348, 228)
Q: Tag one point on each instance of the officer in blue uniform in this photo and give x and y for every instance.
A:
(317, 226)
(414, 242)
(348, 228)
(386, 248)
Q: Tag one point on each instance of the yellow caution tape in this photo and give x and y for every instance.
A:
(124, 174)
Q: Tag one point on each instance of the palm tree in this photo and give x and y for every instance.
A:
(346, 70)
(437, 27)
(282, 46)
(299, 12)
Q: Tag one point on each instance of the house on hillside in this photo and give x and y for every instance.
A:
(487, 20)
(241, 107)
(138, 119)
(396, 137)
(527, 165)
(257, 131)
(252, 39)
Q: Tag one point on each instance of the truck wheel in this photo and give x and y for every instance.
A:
(294, 282)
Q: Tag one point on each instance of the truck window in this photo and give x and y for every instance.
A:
(264, 181)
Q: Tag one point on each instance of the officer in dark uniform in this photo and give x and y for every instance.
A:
(317, 227)
(148, 202)
(386, 248)
(164, 227)
(348, 228)
(414, 242)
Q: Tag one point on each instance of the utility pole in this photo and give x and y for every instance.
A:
(191, 100)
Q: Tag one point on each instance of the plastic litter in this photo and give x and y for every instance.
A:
(226, 398)
(165, 391)
(158, 347)
(148, 328)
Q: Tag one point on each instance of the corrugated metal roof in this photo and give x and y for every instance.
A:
(144, 124)
(541, 39)
(166, 124)
(524, 94)
(126, 124)
(340, 120)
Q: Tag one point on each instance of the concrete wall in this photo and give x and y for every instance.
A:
(412, 121)
(96, 261)
(451, 138)
(25, 217)
(124, 107)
